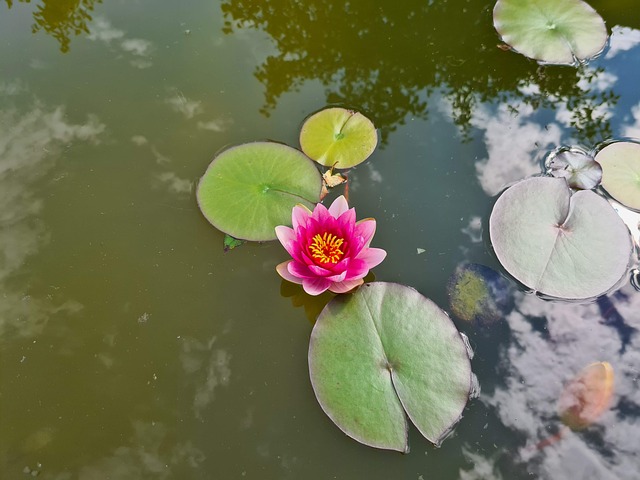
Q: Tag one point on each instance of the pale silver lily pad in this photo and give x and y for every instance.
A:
(564, 245)
(621, 172)
(578, 168)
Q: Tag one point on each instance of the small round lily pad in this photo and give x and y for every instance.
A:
(564, 245)
(250, 189)
(621, 172)
(551, 31)
(337, 137)
(578, 168)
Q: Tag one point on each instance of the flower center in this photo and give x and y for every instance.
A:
(325, 248)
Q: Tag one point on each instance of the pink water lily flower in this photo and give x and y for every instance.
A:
(330, 250)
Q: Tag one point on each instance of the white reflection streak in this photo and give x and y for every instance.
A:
(146, 456)
(483, 468)
(29, 142)
(101, 30)
(218, 125)
(181, 104)
(511, 141)
(174, 183)
(200, 359)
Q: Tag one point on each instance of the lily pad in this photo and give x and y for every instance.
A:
(551, 31)
(586, 397)
(385, 350)
(559, 244)
(621, 172)
(337, 137)
(578, 168)
(250, 189)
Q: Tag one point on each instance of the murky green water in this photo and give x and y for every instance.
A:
(132, 347)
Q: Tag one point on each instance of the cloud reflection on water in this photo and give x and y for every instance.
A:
(137, 50)
(550, 343)
(512, 140)
(31, 139)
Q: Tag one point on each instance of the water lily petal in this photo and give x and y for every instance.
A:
(347, 220)
(319, 271)
(300, 215)
(366, 228)
(373, 256)
(344, 287)
(340, 221)
(355, 246)
(339, 206)
(341, 266)
(287, 237)
(338, 278)
(284, 272)
(314, 226)
(315, 286)
(358, 268)
(300, 270)
(321, 214)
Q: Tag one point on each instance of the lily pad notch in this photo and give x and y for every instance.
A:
(561, 32)
(251, 188)
(385, 353)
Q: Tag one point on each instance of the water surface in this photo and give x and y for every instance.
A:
(132, 347)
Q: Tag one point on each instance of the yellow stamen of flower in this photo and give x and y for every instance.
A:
(326, 248)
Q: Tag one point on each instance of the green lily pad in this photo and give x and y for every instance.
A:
(621, 172)
(559, 244)
(578, 168)
(552, 31)
(338, 137)
(250, 189)
(385, 350)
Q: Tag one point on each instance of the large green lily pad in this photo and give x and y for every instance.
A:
(250, 189)
(385, 350)
(621, 172)
(552, 31)
(338, 137)
(559, 244)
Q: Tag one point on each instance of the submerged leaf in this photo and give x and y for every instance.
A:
(586, 397)
(559, 244)
(338, 137)
(477, 294)
(578, 168)
(385, 350)
(552, 31)
(621, 172)
(250, 189)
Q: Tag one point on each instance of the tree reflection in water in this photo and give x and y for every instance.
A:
(62, 18)
(385, 58)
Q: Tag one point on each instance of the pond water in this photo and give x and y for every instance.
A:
(133, 347)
